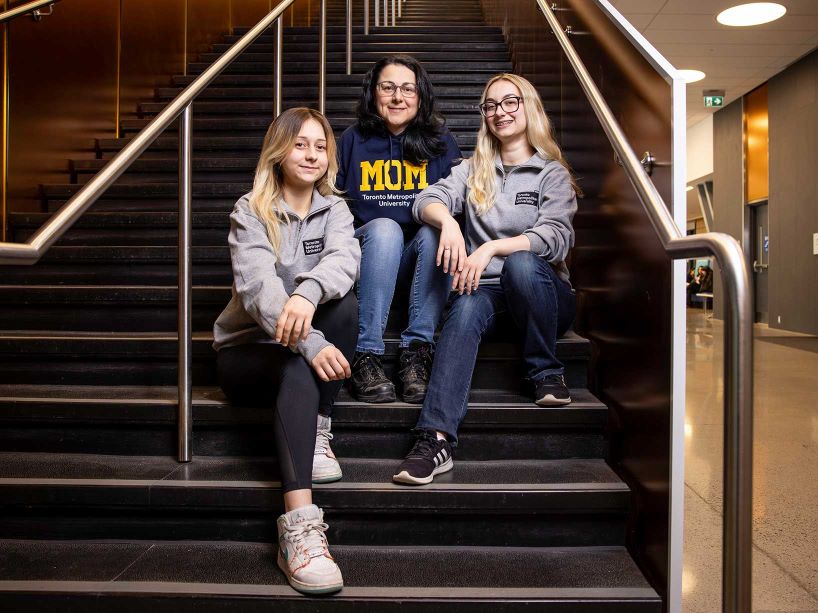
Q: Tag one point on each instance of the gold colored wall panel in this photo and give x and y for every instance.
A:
(247, 13)
(207, 21)
(62, 92)
(757, 144)
(153, 47)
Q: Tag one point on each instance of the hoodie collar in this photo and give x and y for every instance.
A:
(535, 161)
(319, 203)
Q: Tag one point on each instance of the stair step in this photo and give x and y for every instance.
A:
(150, 359)
(121, 420)
(337, 55)
(202, 144)
(486, 67)
(194, 576)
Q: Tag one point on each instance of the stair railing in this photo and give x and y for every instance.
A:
(24, 9)
(738, 337)
(180, 107)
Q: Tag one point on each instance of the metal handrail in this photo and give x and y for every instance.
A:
(180, 107)
(738, 338)
(24, 9)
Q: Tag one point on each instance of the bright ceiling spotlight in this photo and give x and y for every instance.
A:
(691, 76)
(752, 14)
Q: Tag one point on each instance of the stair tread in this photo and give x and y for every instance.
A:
(19, 469)
(157, 405)
(249, 569)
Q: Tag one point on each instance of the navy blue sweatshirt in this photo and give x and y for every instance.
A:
(378, 182)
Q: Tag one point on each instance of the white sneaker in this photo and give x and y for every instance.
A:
(303, 552)
(325, 467)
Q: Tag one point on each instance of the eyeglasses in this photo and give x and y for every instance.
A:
(388, 88)
(510, 104)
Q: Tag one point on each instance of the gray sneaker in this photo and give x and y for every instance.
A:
(303, 552)
(325, 468)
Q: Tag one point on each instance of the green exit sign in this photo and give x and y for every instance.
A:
(714, 101)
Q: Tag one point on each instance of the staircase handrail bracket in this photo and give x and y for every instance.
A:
(738, 333)
(38, 244)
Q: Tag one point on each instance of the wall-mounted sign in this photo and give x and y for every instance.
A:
(713, 97)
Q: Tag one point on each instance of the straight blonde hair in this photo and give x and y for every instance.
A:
(482, 180)
(266, 199)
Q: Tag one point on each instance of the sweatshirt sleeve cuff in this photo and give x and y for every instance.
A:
(538, 245)
(311, 290)
(312, 346)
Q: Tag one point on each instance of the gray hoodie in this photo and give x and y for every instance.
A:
(318, 259)
(535, 199)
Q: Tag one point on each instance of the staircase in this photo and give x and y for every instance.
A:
(96, 514)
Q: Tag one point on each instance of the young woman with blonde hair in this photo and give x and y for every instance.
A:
(288, 334)
(518, 199)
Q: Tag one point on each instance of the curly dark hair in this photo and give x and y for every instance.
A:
(422, 136)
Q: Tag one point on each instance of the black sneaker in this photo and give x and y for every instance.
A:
(552, 392)
(368, 381)
(429, 457)
(415, 368)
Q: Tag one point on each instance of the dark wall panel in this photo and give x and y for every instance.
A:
(793, 282)
(728, 180)
(207, 21)
(62, 73)
(618, 266)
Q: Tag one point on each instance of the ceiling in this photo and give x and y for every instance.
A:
(735, 59)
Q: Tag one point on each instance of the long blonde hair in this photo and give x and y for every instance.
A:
(482, 180)
(268, 185)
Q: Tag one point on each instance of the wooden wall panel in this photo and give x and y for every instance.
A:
(207, 21)
(62, 75)
(246, 13)
(153, 43)
(756, 144)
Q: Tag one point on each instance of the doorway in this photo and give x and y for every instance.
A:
(760, 235)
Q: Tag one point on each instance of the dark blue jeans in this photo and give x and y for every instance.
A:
(541, 306)
(385, 263)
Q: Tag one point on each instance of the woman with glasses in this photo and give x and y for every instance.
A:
(397, 147)
(518, 199)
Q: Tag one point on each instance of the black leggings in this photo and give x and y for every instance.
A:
(271, 374)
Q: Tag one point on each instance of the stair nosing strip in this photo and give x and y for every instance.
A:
(252, 484)
(227, 589)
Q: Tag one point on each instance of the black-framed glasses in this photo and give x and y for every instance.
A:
(388, 88)
(509, 104)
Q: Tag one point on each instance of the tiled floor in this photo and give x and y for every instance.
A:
(785, 487)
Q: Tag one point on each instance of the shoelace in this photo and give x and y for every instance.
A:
(424, 446)
(369, 367)
(308, 536)
(322, 439)
(421, 363)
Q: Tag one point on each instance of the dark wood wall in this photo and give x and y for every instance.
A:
(618, 267)
(73, 74)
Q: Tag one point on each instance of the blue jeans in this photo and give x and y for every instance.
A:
(386, 262)
(541, 306)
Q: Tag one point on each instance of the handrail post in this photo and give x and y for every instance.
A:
(185, 388)
(277, 66)
(322, 61)
(366, 16)
(393, 13)
(349, 36)
(400, 8)
(377, 13)
(738, 436)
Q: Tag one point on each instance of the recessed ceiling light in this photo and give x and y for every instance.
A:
(691, 76)
(752, 14)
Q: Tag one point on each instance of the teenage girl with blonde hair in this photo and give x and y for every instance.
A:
(518, 199)
(289, 331)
